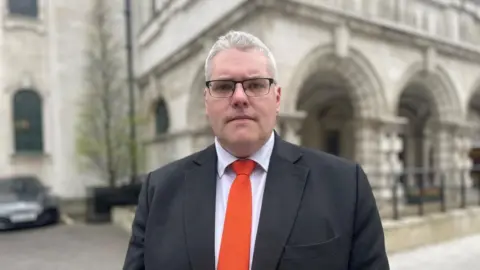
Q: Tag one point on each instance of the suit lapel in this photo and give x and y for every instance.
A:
(200, 210)
(282, 196)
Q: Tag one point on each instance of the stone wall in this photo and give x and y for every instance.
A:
(48, 54)
(406, 234)
(415, 232)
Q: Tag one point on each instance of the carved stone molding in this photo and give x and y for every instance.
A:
(166, 12)
(289, 125)
(321, 14)
(180, 134)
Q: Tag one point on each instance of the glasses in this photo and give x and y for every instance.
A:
(252, 87)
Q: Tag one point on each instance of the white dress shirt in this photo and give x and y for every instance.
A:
(225, 177)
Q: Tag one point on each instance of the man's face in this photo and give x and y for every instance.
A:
(241, 120)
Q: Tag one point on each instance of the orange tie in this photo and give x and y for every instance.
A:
(235, 246)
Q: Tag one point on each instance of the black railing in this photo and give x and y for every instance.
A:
(418, 191)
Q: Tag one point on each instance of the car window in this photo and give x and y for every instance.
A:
(6, 186)
(26, 185)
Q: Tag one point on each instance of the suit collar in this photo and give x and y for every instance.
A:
(281, 148)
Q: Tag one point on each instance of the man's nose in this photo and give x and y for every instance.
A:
(239, 97)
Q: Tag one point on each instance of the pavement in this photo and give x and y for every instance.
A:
(61, 247)
(459, 254)
(89, 247)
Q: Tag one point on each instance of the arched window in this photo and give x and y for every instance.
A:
(27, 8)
(162, 121)
(27, 121)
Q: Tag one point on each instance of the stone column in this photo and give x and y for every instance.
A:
(378, 144)
(453, 163)
(289, 124)
(390, 147)
(444, 150)
(427, 168)
(366, 134)
(462, 145)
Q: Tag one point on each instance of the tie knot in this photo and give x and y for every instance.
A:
(243, 166)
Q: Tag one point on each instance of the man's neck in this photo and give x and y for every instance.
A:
(243, 150)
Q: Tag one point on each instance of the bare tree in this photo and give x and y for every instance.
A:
(103, 128)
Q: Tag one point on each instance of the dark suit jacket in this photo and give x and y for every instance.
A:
(318, 212)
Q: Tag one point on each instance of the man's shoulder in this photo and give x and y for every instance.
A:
(315, 157)
(321, 163)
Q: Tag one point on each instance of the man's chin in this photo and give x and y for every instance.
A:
(242, 142)
(243, 139)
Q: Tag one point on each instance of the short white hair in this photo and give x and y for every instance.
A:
(241, 41)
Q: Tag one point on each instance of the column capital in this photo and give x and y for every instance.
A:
(394, 124)
(290, 124)
(462, 128)
(292, 120)
(289, 116)
(384, 123)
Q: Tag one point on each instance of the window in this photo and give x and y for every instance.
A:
(27, 8)
(27, 120)
(161, 117)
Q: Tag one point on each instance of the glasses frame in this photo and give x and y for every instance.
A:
(270, 80)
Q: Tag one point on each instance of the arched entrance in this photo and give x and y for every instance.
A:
(329, 123)
(343, 99)
(428, 100)
(473, 117)
(417, 156)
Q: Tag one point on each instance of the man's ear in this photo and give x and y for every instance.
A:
(278, 95)
(205, 99)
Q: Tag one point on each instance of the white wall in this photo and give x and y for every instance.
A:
(48, 55)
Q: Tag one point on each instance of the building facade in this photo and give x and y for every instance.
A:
(42, 65)
(391, 84)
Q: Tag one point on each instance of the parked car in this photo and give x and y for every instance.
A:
(24, 200)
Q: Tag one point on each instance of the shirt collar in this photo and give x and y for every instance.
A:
(261, 157)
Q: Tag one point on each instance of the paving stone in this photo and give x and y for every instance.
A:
(75, 247)
(460, 254)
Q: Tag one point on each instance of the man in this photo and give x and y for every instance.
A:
(252, 200)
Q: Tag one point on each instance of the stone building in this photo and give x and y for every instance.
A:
(391, 84)
(42, 64)
(388, 83)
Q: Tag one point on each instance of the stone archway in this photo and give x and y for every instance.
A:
(441, 90)
(417, 105)
(344, 101)
(429, 102)
(329, 122)
(473, 148)
(357, 73)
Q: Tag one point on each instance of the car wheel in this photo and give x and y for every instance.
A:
(50, 216)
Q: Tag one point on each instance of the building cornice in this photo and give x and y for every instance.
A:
(383, 29)
(202, 40)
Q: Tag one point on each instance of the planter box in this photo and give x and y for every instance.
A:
(101, 200)
(433, 194)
